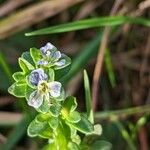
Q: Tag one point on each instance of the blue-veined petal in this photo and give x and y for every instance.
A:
(47, 48)
(55, 88)
(56, 55)
(60, 63)
(42, 62)
(36, 76)
(35, 99)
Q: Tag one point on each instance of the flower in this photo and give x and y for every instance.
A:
(51, 56)
(44, 90)
(47, 48)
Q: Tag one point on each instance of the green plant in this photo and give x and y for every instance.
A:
(58, 119)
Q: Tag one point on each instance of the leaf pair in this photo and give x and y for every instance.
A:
(73, 118)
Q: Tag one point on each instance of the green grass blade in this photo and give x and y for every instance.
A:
(82, 58)
(126, 135)
(88, 98)
(16, 134)
(91, 23)
(5, 67)
(109, 68)
(115, 114)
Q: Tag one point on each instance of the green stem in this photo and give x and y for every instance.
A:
(125, 135)
(122, 112)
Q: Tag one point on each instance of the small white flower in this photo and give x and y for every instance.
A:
(51, 56)
(46, 48)
(44, 91)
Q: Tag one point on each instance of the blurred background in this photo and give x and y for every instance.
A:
(121, 94)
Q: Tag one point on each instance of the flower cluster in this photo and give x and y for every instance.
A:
(37, 82)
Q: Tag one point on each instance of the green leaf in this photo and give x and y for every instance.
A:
(18, 76)
(90, 113)
(35, 54)
(35, 128)
(70, 104)
(25, 65)
(51, 74)
(74, 117)
(29, 90)
(44, 108)
(62, 72)
(18, 89)
(53, 122)
(55, 109)
(83, 125)
(47, 133)
(73, 146)
(42, 117)
(51, 146)
(65, 128)
(101, 145)
(91, 23)
(27, 57)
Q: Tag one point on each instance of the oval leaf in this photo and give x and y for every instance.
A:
(83, 125)
(18, 76)
(25, 65)
(35, 128)
(35, 54)
(74, 117)
(17, 89)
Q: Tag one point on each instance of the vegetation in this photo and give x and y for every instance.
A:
(111, 40)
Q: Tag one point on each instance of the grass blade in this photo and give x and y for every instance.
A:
(91, 23)
(88, 98)
(82, 58)
(125, 135)
(5, 67)
(115, 114)
(109, 68)
(16, 134)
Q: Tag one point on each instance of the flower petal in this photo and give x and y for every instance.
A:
(60, 63)
(56, 55)
(42, 62)
(55, 88)
(36, 76)
(35, 99)
(47, 47)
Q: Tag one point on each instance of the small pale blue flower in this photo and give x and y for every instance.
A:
(51, 56)
(47, 49)
(44, 91)
(36, 76)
